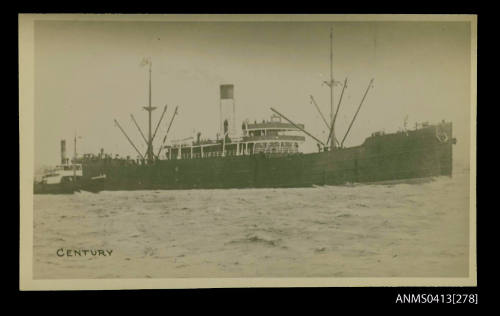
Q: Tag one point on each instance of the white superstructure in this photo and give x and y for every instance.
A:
(62, 173)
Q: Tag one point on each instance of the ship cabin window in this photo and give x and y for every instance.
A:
(69, 179)
(275, 147)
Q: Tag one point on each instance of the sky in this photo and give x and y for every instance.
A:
(88, 73)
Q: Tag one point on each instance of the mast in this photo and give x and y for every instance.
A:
(332, 140)
(74, 149)
(149, 112)
(74, 158)
(149, 108)
(74, 161)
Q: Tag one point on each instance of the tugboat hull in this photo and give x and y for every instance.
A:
(58, 188)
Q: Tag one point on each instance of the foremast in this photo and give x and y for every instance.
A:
(331, 84)
(149, 156)
(150, 109)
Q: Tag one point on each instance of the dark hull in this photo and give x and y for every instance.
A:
(405, 155)
(89, 185)
(58, 188)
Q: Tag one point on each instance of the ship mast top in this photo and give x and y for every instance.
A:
(149, 108)
(149, 156)
(331, 83)
(74, 158)
(332, 142)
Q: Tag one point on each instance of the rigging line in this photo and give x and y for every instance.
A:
(140, 131)
(298, 127)
(319, 111)
(336, 112)
(158, 125)
(166, 134)
(130, 141)
(357, 111)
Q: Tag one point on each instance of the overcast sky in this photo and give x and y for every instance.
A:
(89, 73)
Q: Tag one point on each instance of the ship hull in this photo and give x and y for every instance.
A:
(421, 153)
(57, 188)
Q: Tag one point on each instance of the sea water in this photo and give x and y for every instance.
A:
(359, 230)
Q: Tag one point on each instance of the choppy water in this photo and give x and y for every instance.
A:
(400, 230)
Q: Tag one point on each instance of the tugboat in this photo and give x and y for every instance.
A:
(63, 179)
(67, 177)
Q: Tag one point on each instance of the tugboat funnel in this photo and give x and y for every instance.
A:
(63, 152)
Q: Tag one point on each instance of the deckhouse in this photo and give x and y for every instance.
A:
(269, 137)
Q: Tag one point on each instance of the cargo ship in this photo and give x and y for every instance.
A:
(268, 154)
(274, 161)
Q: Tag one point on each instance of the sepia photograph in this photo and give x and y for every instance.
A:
(208, 151)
